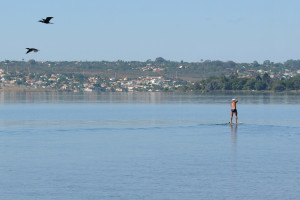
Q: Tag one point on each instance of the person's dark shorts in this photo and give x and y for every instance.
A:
(233, 110)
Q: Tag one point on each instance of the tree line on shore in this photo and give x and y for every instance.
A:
(233, 82)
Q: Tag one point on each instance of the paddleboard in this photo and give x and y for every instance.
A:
(234, 123)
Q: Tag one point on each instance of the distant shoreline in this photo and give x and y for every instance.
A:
(26, 89)
(29, 89)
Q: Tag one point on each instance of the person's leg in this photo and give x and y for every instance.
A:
(236, 117)
(231, 117)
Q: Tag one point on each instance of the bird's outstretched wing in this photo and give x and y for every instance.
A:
(29, 50)
(47, 20)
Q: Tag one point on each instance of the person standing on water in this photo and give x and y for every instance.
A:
(233, 109)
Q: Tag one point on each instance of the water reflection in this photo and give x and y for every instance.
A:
(152, 98)
(233, 128)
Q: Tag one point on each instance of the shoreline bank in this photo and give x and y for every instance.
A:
(37, 90)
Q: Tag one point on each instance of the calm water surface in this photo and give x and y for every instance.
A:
(148, 146)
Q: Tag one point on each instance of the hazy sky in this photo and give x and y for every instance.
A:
(189, 30)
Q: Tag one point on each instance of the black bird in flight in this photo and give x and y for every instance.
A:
(31, 49)
(46, 21)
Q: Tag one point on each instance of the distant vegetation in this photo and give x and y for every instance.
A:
(133, 69)
(257, 83)
(202, 76)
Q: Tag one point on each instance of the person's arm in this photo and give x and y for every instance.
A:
(236, 100)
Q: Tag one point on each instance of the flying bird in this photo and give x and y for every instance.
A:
(31, 49)
(46, 21)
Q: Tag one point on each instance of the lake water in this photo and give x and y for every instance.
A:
(148, 146)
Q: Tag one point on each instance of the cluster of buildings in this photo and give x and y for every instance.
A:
(78, 82)
(284, 74)
(150, 67)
